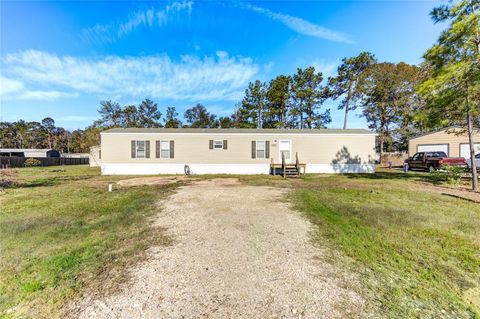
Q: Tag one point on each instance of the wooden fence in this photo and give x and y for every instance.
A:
(396, 159)
(15, 161)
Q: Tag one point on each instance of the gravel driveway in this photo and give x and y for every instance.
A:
(239, 252)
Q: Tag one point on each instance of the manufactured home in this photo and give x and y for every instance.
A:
(29, 152)
(451, 140)
(235, 151)
(95, 156)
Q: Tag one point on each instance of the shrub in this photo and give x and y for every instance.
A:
(30, 162)
(449, 174)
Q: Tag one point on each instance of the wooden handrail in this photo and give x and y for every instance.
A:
(297, 163)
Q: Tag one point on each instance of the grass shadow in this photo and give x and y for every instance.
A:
(50, 181)
(394, 175)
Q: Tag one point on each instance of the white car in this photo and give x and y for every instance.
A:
(477, 159)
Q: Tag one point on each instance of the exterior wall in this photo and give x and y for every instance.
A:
(442, 137)
(29, 152)
(94, 156)
(323, 153)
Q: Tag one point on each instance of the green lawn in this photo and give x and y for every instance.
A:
(417, 253)
(61, 230)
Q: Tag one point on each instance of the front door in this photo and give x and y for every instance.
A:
(285, 148)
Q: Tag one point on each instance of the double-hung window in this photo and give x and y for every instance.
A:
(217, 144)
(260, 149)
(164, 149)
(140, 149)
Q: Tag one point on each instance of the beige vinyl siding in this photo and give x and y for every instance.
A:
(442, 137)
(195, 148)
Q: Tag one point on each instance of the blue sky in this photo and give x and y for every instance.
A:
(61, 58)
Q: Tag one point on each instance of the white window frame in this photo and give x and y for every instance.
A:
(137, 149)
(264, 149)
(167, 149)
(216, 143)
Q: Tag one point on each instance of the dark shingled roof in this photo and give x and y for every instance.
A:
(237, 130)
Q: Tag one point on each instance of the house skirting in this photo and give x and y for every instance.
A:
(170, 168)
(339, 168)
(242, 169)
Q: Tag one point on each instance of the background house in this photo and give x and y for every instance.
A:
(16, 157)
(451, 140)
(29, 152)
(95, 156)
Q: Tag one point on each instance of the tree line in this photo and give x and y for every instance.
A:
(45, 134)
(397, 100)
(385, 92)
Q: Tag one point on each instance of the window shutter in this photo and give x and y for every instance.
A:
(210, 144)
(267, 149)
(157, 149)
(225, 144)
(147, 149)
(254, 149)
(134, 151)
(172, 149)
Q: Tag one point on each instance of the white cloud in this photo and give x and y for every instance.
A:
(8, 86)
(45, 95)
(149, 18)
(191, 78)
(302, 26)
(327, 68)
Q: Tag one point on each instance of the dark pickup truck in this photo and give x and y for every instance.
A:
(431, 161)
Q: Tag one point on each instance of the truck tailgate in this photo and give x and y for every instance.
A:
(453, 161)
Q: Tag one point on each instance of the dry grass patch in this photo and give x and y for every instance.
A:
(154, 180)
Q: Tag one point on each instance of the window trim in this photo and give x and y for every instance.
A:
(165, 149)
(264, 149)
(144, 149)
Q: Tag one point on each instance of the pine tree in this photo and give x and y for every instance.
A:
(307, 97)
(171, 118)
(278, 96)
(453, 89)
(254, 104)
(347, 83)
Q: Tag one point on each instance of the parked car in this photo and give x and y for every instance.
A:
(431, 161)
(477, 159)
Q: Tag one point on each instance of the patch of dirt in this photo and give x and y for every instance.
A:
(238, 252)
(8, 178)
(219, 182)
(473, 296)
(453, 192)
(154, 180)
